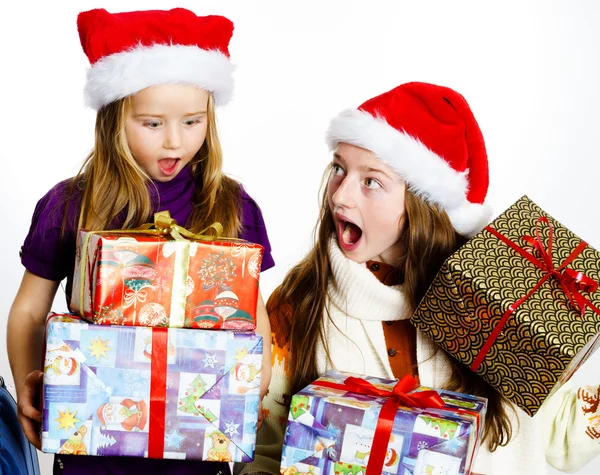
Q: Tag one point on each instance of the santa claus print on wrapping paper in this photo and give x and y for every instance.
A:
(590, 405)
(124, 414)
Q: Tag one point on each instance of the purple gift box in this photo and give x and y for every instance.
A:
(331, 431)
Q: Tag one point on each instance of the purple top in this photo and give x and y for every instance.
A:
(45, 254)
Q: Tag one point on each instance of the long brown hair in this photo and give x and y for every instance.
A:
(113, 184)
(427, 239)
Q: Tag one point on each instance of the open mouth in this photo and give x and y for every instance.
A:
(349, 234)
(168, 165)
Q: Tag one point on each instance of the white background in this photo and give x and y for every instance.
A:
(530, 71)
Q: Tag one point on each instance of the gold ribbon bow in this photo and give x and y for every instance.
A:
(163, 225)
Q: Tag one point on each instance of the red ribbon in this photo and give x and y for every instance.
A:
(571, 281)
(396, 397)
(158, 393)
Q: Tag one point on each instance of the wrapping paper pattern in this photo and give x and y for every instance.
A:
(146, 280)
(97, 391)
(545, 339)
(330, 432)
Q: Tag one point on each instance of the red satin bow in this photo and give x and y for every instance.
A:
(396, 397)
(570, 280)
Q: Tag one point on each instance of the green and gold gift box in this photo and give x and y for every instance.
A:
(518, 304)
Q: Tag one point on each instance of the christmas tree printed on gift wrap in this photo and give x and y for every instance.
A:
(440, 427)
(300, 406)
(190, 403)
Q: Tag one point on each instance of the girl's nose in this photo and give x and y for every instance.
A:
(173, 138)
(344, 195)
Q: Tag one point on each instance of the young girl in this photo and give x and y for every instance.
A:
(406, 187)
(155, 80)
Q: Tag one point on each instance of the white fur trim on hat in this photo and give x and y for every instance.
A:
(427, 174)
(122, 74)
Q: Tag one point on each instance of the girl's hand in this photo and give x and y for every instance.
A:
(260, 415)
(29, 416)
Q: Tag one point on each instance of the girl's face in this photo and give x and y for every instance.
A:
(366, 198)
(165, 127)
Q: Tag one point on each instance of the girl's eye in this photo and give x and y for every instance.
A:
(337, 170)
(372, 184)
(191, 122)
(153, 124)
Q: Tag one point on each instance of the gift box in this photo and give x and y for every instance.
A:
(150, 392)
(150, 278)
(518, 304)
(337, 425)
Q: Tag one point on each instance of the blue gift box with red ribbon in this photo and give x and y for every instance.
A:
(349, 424)
(150, 392)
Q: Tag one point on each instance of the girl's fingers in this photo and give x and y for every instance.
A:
(28, 396)
(30, 428)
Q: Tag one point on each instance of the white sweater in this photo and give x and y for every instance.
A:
(358, 305)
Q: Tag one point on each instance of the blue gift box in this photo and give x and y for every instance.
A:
(150, 392)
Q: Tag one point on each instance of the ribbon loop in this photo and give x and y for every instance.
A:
(165, 224)
(570, 280)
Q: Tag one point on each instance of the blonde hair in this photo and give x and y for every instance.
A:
(112, 182)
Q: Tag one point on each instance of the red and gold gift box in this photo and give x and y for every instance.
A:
(518, 304)
(156, 277)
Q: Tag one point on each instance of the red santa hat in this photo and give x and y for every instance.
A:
(429, 135)
(131, 51)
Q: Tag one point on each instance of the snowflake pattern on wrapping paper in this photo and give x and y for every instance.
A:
(210, 361)
(217, 271)
(422, 445)
(231, 428)
(136, 384)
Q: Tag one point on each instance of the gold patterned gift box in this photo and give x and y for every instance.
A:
(518, 304)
